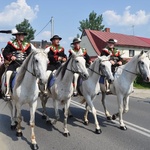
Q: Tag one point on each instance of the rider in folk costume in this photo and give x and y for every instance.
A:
(55, 53)
(115, 58)
(81, 52)
(15, 52)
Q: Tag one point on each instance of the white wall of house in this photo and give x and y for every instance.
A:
(125, 51)
(85, 43)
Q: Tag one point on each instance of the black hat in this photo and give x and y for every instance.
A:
(76, 40)
(55, 37)
(16, 32)
(113, 41)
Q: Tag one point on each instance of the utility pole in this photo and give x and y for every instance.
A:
(133, 29)
(52, 26)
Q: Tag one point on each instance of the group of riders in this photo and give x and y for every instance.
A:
(17, 50)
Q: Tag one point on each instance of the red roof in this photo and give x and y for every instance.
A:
(98, 39)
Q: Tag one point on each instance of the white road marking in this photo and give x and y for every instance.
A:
(131, 126)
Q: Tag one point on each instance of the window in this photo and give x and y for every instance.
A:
(131, 53)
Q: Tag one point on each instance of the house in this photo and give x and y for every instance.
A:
(41, 44)
(94, 41)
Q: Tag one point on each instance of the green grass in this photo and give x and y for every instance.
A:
(142, 85)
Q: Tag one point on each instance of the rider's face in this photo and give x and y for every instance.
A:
(20, 37)
(77, 45)
(55, 41)
(110, 45)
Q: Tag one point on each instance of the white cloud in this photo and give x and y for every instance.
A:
(127, 18)
(15, 12)
(45, 35)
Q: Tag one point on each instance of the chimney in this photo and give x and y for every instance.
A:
(107, 29)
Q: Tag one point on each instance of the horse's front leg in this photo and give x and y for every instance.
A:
(90, 104)
(66, 131)
(87, 108)
(57, 116)
(126, 104)
(12, 107)
(33, 107)
(44, 99)
(120, 108)
(108, 116)
(19, 119)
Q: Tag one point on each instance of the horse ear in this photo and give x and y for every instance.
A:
(100, 58)
(33, 48)
(142, 52)
(73, 53)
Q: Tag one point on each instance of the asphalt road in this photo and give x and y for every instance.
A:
(137, 137)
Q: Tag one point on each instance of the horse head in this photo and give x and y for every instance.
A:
(105, 68)
(78, 66)
(40, 62)
(144, 66)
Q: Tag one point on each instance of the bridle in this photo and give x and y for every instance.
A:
(73, 70)
(100, 66)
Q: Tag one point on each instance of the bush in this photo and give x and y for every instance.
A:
(139, 83)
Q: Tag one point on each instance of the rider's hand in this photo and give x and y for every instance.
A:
(59, 58)
(119, 63)
(64, 59)
(112, 62)
(13, 58)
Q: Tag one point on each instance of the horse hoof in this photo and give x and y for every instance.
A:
(48, 122)
(43, 117)
(86, 123)
(13, 127)
(34, 147)
(67, 134)
(114, 117)
(109, 118)
(98, 131)
(124, 128)
(19, 134)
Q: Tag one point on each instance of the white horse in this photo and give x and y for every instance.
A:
(62, 89)
(90, 88)
(123, 84)
(26, 89)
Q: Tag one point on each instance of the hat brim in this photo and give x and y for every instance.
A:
(75, 42)
(20, 33)
(55, 38)
(111, 42)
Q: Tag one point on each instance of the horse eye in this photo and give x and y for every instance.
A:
(77, 61)
(142, 63)
(103, 66)
(36, 61)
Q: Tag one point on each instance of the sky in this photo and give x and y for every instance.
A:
(121, 16)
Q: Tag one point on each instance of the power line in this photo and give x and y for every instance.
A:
(42, 29)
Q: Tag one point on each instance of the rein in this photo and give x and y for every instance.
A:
(26, 69)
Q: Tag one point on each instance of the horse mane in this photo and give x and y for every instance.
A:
(92, 66)
(62, 69)
(22, 69)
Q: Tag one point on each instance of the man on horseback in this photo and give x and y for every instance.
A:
(15, 52)
(55, 53)
(81, 52)
(115, 58)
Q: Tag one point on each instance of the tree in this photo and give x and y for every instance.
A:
(25, 26)
(94, 22)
